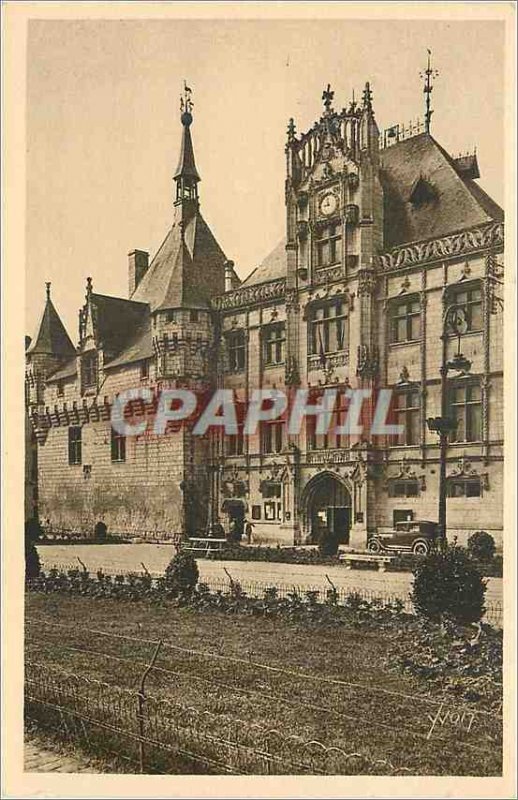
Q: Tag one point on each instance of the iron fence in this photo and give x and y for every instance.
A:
(236, 721)
(153, 734)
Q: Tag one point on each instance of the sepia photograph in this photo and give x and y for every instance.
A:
(264, 462)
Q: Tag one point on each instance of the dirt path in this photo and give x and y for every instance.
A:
(39, 759)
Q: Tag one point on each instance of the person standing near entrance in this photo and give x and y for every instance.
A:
(249, 529)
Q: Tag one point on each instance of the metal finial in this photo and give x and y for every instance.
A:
(327, 97)
(47, 287)
(428, 76)
(186, 105)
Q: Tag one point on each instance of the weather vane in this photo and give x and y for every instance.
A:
(186, 104)
(428, 75)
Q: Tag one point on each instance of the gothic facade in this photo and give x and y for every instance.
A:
(384, 235)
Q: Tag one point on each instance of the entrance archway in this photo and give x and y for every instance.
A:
(235, 510)
(327, 507)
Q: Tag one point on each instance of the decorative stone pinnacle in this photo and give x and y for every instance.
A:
(89, 287)
(291, 129)
(327, 97)
(367, 97)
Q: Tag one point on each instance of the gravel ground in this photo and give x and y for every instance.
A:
(129, 558)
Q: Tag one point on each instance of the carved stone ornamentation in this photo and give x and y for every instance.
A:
(291, 299)
(368, 361)
(457, 244)
(406, 473)
(291, 375)
(366, 282)
(465, 469)
(251, 295)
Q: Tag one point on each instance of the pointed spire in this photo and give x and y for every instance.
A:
(186, 175)
(51, 337)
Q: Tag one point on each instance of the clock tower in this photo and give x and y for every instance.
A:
(334, 211)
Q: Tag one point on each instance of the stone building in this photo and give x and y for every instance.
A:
(385, 234)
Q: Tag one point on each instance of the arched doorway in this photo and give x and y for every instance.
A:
(327, 507)
(235, 510)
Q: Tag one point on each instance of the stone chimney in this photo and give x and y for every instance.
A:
(138, 263)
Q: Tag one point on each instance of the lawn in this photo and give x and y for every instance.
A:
(235, 678)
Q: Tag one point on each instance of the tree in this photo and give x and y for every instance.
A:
(481, 546)
(448, 584)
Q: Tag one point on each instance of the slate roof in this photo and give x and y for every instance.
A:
(68, 370)
(51, 337)
(139, 347)
(186, 165)
(186, 271)
(459, 202)
(115, 320)
(273, 266)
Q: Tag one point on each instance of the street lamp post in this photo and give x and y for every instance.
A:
(454, 317)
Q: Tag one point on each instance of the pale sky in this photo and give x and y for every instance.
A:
(103, 128)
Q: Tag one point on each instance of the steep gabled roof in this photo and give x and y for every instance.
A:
(272, 268)
(187, 270)
(68, 370)
(116, 319)
(459, 203)
(51, 337)
(138, 348)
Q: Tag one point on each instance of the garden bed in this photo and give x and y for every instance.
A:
(352, 686)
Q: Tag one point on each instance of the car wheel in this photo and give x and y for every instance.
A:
(374, 546)
(420, 548)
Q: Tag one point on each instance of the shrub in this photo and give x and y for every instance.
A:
(182, 573)
(449, 584)
(100, 531)
(328, 544)
(32, 560)
(481, 546)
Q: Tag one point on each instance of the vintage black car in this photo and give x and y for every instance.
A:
(411, 536)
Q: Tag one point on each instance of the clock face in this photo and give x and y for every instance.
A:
(328, 204)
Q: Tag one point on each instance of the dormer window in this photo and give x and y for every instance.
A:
(89, 370)
(422, 192)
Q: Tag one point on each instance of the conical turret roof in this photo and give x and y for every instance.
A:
(188, 268)
(51, 337)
